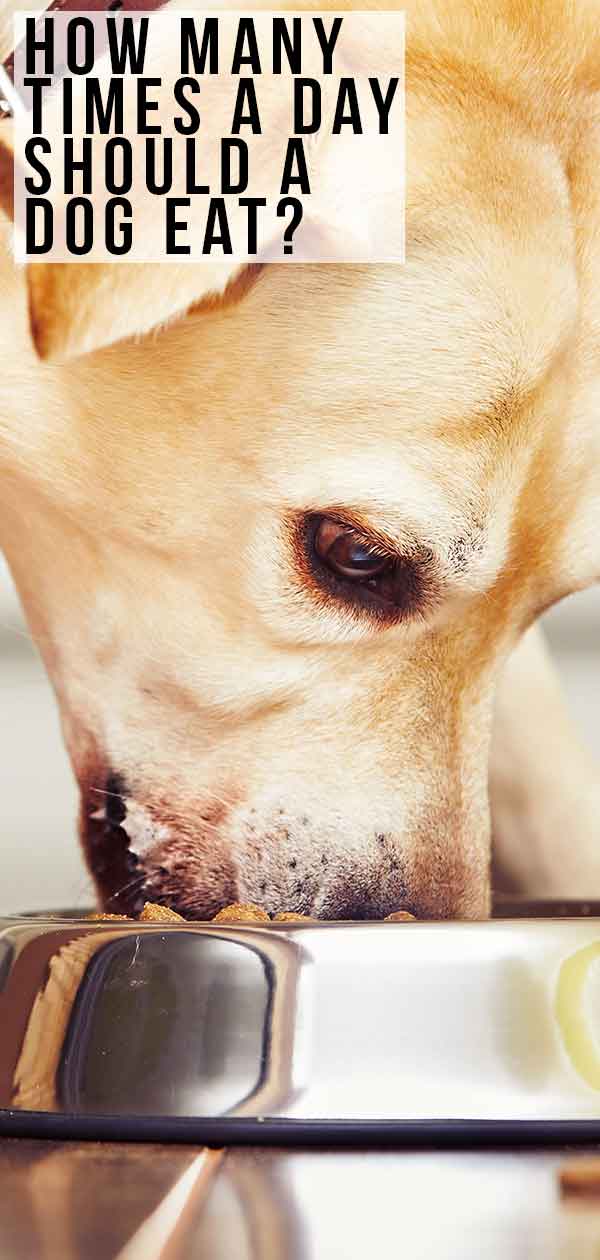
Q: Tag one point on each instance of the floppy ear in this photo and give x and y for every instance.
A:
(78, 307)
(75, 308)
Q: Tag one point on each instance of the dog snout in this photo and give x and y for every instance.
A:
(379, 873)
(198, 859)
(469, 900)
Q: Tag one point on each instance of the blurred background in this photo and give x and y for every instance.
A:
(41, 865)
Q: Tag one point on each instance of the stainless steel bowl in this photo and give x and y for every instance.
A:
(340, 1032)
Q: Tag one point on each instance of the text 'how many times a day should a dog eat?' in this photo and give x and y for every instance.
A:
(229, 116)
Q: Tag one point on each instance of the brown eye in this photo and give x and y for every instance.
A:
(348, 554)
(347, 565)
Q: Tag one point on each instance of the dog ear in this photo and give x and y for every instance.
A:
(75, 308)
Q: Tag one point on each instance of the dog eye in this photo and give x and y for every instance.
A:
(361, 572)
(348, 554)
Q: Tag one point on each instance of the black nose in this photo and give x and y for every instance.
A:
(115, 808)
(359, 910)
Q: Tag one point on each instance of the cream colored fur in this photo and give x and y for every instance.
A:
(273, 747)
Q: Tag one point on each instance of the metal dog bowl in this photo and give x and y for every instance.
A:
(299, 1033)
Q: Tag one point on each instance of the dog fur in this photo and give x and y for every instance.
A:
(165, 432)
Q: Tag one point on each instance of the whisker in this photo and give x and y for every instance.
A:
(138, 880)
(104, 792)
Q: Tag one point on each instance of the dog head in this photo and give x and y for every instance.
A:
(275, 554)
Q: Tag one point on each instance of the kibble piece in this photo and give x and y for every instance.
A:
(241, 913)
(102, 918)
(400, 916)
(582, 1177)
(159, 914)
(284, 917)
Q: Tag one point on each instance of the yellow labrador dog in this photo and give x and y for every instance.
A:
(281, 535)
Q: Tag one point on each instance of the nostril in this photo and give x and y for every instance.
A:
(115, 808)
(360, 910)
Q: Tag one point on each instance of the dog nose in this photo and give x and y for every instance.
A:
(365, 910)
(352, 910)
(115, 809)
(360, 910)
(356, 904)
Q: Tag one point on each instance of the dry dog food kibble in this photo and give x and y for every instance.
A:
(241, 913)
(159, 914)
(238, 912)
(283, 917)
(151, 913)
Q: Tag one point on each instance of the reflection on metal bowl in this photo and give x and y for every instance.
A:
(299, 1031)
